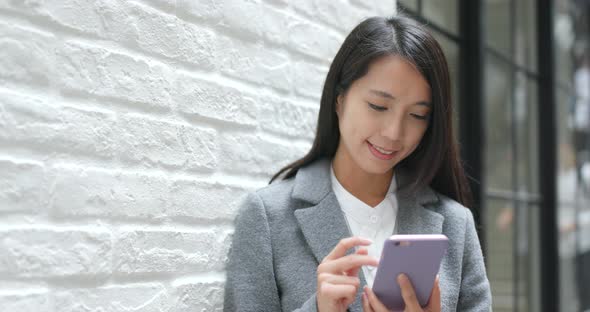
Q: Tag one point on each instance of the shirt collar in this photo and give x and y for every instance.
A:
(356, 208)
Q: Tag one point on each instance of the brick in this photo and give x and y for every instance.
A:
(336, 13)
(158, 143)
(148, 297)
(34, 122)
(169, 36)
(167, 4)
(313, 40)
(281, 115)
(257, 19)
(340, 14)
(248, 153)
(52, 253)
(170, 252)
(22, 187)
(26, 56)
(365, 4)
(209, 10)
(99, 193)
(98, 71)
(22, 287)
(88, 192)
(127, 22)
(279, 2)
(309, 79)
(76, 14)
(255, 63)
(196, 97)
(197, 199)
(383, 8)
(205, 296)
(25, 302)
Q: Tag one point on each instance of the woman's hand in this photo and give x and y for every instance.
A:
(371, 302)
(338, 280)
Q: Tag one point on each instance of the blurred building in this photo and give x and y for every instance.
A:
(522, 97)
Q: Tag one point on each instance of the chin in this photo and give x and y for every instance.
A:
(371, 167)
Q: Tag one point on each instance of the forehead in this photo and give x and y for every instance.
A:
(395, 75)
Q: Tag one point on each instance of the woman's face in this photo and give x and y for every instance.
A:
(383, 115)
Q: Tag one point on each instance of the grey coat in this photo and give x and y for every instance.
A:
(284, 230)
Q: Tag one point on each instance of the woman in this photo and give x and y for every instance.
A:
(383, 161)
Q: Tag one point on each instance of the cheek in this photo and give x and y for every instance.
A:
(416, 134)
(355, 126)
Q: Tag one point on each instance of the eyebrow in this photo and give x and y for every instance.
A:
(391, 97)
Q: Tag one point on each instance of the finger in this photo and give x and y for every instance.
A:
(344, 245)
(340, 279)
(408, 293)
(362, 251)
(347, 263)
(338, 292)
(434, 300)
(366, 305)
(355, 271)
(374, 302)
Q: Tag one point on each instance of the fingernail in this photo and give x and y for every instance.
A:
(401, 278)
(366, 240)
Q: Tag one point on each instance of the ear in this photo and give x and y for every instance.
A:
(339, 104)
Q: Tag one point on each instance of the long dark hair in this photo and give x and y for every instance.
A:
(435, 161)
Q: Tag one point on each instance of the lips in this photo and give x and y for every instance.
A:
(381, 153)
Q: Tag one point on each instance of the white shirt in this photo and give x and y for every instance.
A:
(375, 223)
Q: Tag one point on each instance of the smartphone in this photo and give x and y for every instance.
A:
(417, 256)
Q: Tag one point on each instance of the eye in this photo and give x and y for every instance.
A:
(377, 107)
(420, 117)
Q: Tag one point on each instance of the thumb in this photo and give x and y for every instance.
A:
(434, 300)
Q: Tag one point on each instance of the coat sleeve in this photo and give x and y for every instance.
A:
(475, 292)
(250, 281)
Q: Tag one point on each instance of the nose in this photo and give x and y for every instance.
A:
(393, 128)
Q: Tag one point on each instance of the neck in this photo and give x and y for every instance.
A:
(370, 188)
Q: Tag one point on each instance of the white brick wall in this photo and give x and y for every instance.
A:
(131, 130)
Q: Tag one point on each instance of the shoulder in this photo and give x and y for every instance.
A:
(459, 225)
(278, 189)
(310, 184)
(458, 215)
(269, 200)
(276, 194)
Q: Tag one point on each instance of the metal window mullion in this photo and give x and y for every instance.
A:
(506, 59)
(523, 197)
(433, 26)
(515, 158)
(547, 144)
(472, 111)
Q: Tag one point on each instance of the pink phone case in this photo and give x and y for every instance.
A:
(417, 256)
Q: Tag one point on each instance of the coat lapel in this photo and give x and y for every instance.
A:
(413, 216)
(323, 223)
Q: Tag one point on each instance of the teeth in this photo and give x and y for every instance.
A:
(383, 151)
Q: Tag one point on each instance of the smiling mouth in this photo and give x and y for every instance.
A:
(382, 150)
(380, 153)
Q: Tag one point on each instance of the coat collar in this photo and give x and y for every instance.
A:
(323, 223)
